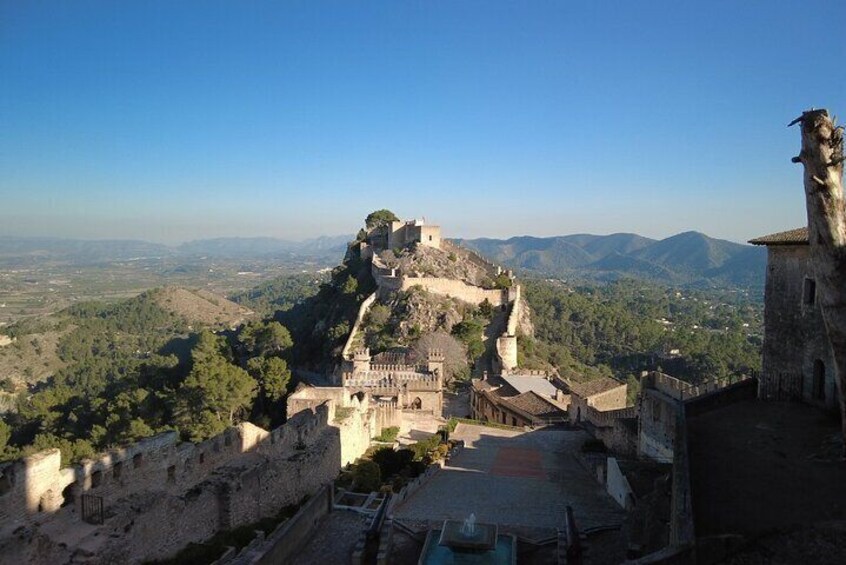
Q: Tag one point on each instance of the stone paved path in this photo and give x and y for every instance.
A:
(523, 480)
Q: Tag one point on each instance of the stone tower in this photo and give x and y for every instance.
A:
(361, 360)
(435, 362)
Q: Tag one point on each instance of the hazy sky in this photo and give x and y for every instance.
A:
(172, 120)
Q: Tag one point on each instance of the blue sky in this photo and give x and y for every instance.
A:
(170, 121)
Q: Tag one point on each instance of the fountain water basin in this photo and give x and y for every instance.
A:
(468, 543)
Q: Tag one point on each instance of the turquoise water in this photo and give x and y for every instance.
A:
(442, 555)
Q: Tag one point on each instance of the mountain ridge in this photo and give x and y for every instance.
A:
(687, 258)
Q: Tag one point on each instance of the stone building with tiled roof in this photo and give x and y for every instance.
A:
(519, 400)
(797, 362)
(598, 395)
(799, 236)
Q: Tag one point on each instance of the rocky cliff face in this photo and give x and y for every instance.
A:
(451, 262)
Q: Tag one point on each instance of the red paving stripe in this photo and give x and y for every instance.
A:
(518, 462)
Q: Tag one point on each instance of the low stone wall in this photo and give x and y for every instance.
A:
(284, 543)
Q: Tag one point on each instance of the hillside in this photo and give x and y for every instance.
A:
(200, 306)
(689, 258)
(43, 346)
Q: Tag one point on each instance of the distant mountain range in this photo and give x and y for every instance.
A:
(78, 251)
(687, 258)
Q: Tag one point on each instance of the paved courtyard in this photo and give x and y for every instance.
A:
(523, 480)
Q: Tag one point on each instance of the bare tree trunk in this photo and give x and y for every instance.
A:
(822, 156)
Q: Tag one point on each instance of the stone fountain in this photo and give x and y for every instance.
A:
(468, 536)
(467, 542)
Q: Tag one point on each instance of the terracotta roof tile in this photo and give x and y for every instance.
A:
(596, 386)
(799, 236)
(533, 404)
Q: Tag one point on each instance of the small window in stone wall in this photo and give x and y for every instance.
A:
(202, 458)
(171, 474)
(117, 469)
(96, 479)
(819, 380)
(137, 461)
(227, 441)
(809, 292)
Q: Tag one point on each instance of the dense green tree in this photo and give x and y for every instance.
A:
(272, 375)
(214, 392)
(380, 218)
(470, 332)
(265, 338)
(350, 286)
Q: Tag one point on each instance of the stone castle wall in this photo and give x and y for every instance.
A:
(682, 390)
(159, 495)
(657, 425)
(794, 334)
(359, 319)
(516, 300)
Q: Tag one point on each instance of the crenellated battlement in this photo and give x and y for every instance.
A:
(682, 390)
(37, 486)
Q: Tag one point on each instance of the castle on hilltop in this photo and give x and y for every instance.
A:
(393, 380)
(399, 234)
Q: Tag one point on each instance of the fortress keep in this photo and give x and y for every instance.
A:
(797, 361)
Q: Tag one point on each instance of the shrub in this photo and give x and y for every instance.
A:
(366, 476)
(423, 449)
(388, 434)
(392, 462)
